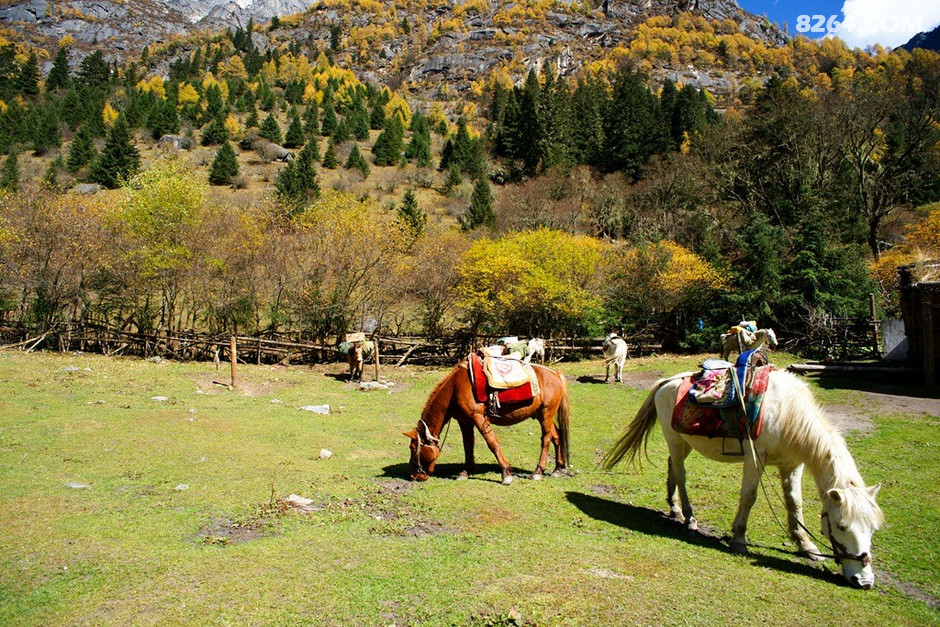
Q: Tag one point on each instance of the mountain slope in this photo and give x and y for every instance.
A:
(927, 41)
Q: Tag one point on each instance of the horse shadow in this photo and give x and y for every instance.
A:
(450, 471)
(653, 523)
(590, 378)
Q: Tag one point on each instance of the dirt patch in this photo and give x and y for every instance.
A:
(849, 418)
(642, 380)
(224, 532)
(217, 383)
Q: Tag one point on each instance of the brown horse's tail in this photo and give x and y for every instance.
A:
(637, 433)
(563, 424)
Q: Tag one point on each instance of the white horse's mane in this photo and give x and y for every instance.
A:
(803, 423)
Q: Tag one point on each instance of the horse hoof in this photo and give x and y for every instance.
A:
(691, 524)
(507, 479)
(558, 473)
(739, 548)
(812, 553)
(463, 476)
(536, 476)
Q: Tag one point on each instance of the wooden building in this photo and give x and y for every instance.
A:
(920, 308)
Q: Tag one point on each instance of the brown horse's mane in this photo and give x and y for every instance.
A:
(433, 395)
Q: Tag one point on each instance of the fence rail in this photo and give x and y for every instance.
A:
(280, 348)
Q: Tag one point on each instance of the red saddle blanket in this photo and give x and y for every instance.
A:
(482, 391)
(711, 422)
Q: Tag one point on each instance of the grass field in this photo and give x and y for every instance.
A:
(119, 509)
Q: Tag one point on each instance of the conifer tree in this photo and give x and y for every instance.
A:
(327, 117)
(312, 119)
(251, 121)
(27, 83)
(163, 119)
(270, 129)
(224, 167)
(296, 184)
(46, 134)
(94, 73)
(51, 176)
(329, 157)
(411, 216)
(81, 150)
(480, 212)
(419, 148)
(59, 74)
(360, 124)
(377, 117)
(215, 132)
(388, 145)
(355, 160)
(341, 133)
(119, 160)
(453, 180)
(10, 174)
(295, 133)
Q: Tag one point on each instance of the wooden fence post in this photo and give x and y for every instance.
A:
(233, 353)
(876, 352)
(375, 343)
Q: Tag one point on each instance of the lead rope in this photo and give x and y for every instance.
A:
(761, 469)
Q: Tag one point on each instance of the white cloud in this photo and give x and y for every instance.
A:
(891, 23)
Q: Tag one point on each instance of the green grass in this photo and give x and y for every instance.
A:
(592, 549)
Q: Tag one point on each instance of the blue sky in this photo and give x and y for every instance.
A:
(887, 22)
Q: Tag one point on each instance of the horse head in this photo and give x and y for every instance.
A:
(772, 338)
(850, 517)
(425, 449)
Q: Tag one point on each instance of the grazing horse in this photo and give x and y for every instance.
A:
(737, 343)
(454, 398)
(536, 346)
(615, 352)
(794, 433)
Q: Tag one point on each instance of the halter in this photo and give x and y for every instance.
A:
(432, 442)
(839, 552)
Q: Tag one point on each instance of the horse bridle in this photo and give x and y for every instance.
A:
(839, 552)
(432, 442)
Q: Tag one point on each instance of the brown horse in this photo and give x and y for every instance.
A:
(453, 398)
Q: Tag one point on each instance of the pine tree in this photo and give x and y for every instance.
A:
(453, 180)
(215, 132)
(10, 174)
(312, 120)
(329, 157)
(27, 83)
(46, 134)
(270, 129)
(224, 167)
(377, 117)
(51, 176)
(81, 151)
(388, 145)
(480, 212)
(163, 119)
(357, 161)
(296, 184)
(119, 160)
(94, 73)
(251, 121)
(419, 148)
(59, 74)
(411, 216)
(295, 133)
(360, 124)
(327, 117)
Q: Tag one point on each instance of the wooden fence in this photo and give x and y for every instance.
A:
(280, 348)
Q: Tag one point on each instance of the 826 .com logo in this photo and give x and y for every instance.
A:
(876, 22)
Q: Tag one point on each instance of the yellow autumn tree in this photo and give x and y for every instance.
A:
(531, 282)
(651, 284)
(921, 243)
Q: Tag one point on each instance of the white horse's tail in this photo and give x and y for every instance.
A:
(637, 433)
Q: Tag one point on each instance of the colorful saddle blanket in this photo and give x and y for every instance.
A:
(510, 380)
(718, 420)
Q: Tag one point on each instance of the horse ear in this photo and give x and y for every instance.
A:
(836, 496)
(873, 490)
(413, 434)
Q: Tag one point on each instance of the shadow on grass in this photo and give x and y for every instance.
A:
(872, 383)
(591, 378)
(653, 523)
(450, 471)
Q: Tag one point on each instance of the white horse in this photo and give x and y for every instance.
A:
(733, 342)
(794, 433)
(615, 352)
(536, 346)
